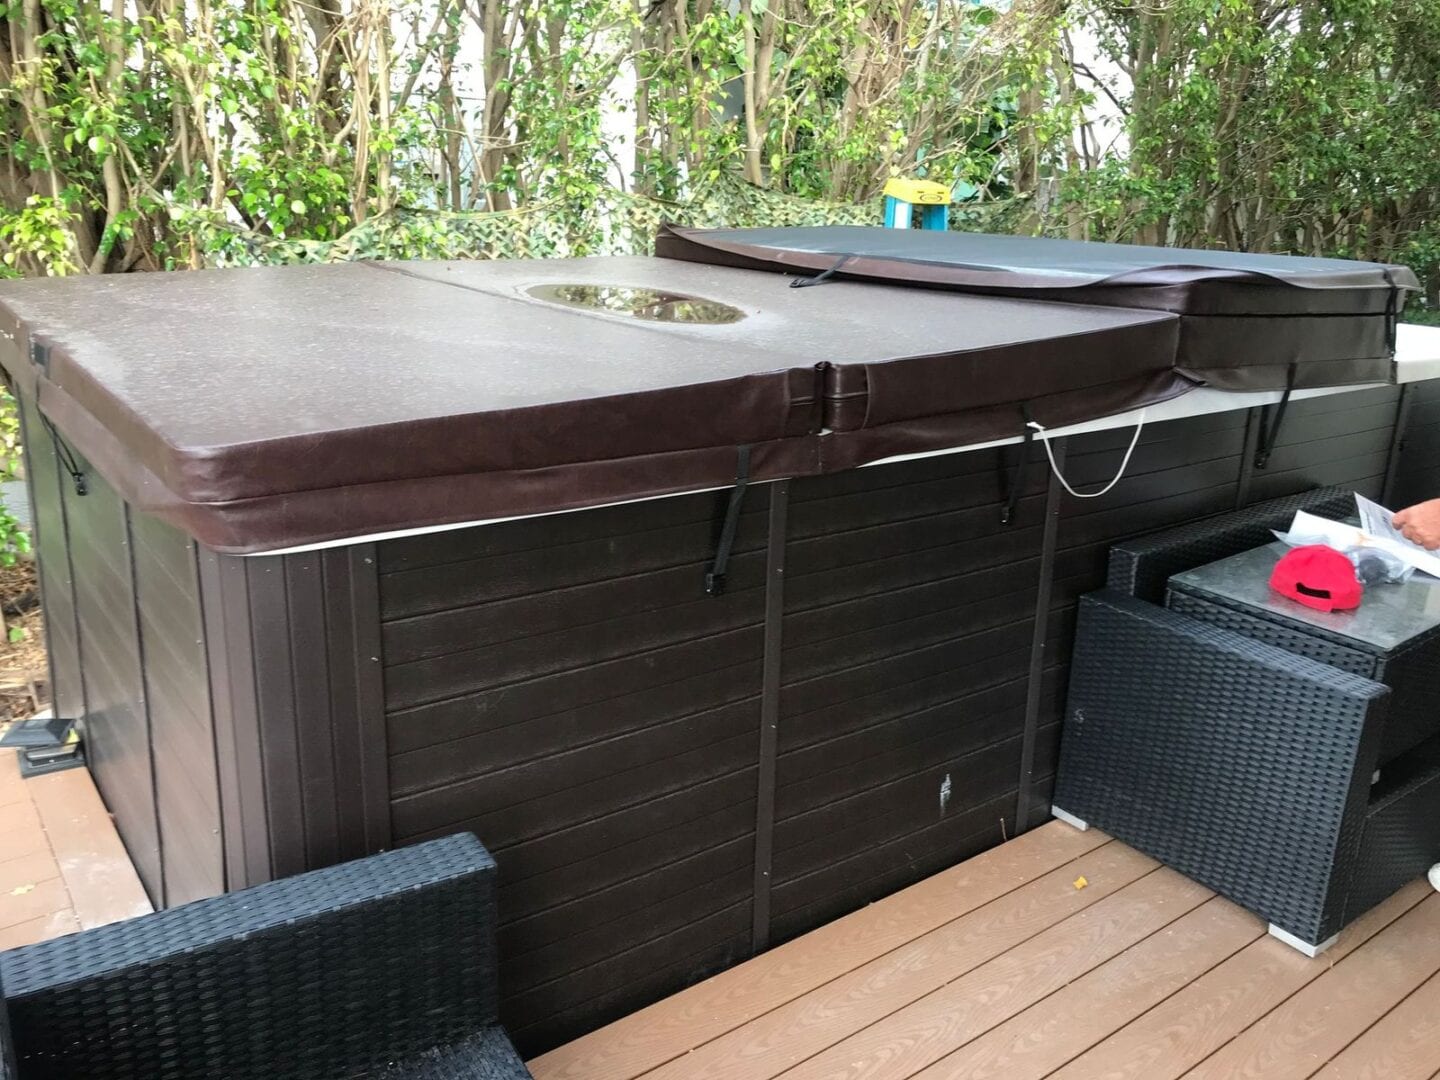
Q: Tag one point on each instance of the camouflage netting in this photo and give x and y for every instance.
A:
(617, 224)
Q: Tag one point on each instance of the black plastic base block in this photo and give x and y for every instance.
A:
(42, 760)
(55, 731)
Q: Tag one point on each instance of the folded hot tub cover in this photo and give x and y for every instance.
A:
(1247, 322)
(267, 408)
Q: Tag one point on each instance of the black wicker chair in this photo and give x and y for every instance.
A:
(380, 968)
(1143, 566)
(1240, 763)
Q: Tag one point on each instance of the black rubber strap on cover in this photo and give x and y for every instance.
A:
(1270, 433)
(68, 461)
(1392, 312)
(1017, 480)
(825, 275)
(715, 576)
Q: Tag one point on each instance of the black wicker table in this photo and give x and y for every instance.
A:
(1393, 637)
(1287, 759)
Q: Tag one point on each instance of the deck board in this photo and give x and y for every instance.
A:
(652, 1037)
(1399, 1046)
(944, 1021)
(811, 1024)
(1010, 966)
(1315, 1025)
(1202, 1017)
(1064, 1025)
(62, 866)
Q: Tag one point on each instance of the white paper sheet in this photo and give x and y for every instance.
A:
(1377, 530)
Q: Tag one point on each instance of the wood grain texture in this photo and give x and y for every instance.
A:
(1051, 1032)
(1322, 1019)
(182, 730)
(51, 542)
(22, 834)
(101, 884)
(1400, 1046)
(41, 900)
(1212, 1010)
(41, 929)
(648, 1039)
(966, 1007)
(118, 736)
(787, 1036)
(1150, 978)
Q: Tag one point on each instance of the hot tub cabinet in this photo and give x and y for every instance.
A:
(285, 656)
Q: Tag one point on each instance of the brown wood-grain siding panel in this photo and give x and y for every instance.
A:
(295, 660)
(571, 696)
(521, 659)
(117, 724)
(908, 618)
(314, 740)
(540, 533)
(407, 592)
(353, 653)
(606, 992)
(187, 791)
(52, 552)
(1417, 475)
(553, 612)
(277, 670)
(228, 643)
(706, 671)
(1341, 440)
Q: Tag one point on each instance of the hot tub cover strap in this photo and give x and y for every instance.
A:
(1017, 479)
(715, 576)
(1270, 432)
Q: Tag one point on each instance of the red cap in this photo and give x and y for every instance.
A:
(1318, 577)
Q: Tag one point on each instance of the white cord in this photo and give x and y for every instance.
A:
(1044, 437)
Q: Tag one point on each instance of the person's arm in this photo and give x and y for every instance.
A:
(1421, 523)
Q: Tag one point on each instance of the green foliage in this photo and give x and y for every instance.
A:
(36, 233)
(14, 541)
(1306, 126)
(609, 222)
(180, 134)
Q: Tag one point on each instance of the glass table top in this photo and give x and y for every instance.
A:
(1387, 618)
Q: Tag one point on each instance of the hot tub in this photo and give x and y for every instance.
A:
(689, 592)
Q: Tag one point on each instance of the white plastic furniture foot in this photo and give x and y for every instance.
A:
(1305, 947)
(1082, 825)
(1435, 876)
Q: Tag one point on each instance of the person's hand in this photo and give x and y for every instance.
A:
(1421, 524)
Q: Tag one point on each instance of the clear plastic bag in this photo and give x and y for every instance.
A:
(1375, 567)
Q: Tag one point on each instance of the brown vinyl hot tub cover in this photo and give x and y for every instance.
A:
(1247, 322)
(262, 409)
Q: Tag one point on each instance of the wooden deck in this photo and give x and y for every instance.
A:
(1061, 954)
(62, 866)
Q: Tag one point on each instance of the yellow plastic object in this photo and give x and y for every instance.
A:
(1080, 882)
(919, 192)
